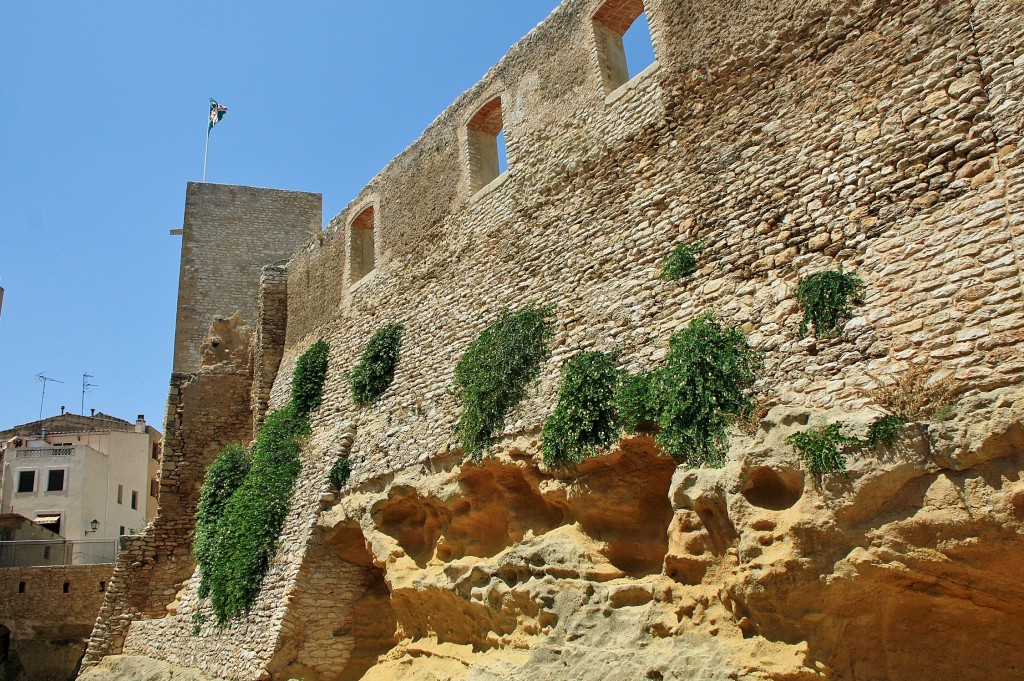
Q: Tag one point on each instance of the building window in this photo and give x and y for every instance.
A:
(486, 137)
(623, 37)
(26, 481)
(154, 488)
(21, 587)
(362, 252)
(103, 587)
(120, 532)
(67, 587)
(120, 494)
(135, 500)
(156, 451)
(55, 480)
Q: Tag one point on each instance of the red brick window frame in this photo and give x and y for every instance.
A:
(485, 133)
(611, 21)
(362, 253)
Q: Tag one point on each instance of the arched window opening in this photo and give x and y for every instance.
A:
(487, 156)
(362, 256)
(623, 39)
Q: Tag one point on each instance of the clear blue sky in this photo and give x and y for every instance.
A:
(103, 112)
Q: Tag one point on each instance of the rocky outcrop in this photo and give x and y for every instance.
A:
(758, 570)
(135, 668)
(904, 568)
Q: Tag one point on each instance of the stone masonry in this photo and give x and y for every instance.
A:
(790, 137)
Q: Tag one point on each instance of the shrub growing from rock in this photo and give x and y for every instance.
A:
(681, 262)
(584, 418)
(828, 299)
(822, 448)
(704, 386)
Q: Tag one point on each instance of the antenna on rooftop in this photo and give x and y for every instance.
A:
(85, 387)
(41, 376)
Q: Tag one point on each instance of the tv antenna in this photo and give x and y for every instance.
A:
(41, 376)
(85, 387)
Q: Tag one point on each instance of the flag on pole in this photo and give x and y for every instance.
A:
(216, 113)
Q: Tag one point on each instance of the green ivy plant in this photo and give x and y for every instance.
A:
(681, 262)
(705, 385)
(492, 376)
(308, 378)
(584, 418)
(376, 367)
(635, 403)
(822, 448)
(885, 430)
(223, 478)
(237, 530)
(340, 471)
(828, 299)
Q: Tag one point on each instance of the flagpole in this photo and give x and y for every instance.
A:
(206, 153)
(216, 113)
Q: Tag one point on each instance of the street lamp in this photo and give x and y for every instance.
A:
(94, 524)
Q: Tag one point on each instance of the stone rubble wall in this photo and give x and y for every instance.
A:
(48, 625)
(859, 133)
(790, 137)
(268, 341)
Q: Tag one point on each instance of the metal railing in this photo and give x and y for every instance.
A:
(37, 552)
(37, 452)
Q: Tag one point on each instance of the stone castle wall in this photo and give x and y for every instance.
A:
(790, 137)
(50, 612)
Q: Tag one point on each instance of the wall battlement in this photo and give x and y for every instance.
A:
(790, 137)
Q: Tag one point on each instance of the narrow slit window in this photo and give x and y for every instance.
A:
(135, 500)
(624, 46)
(487, 154)
(362, 253)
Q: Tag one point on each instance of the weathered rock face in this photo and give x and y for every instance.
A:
(133, 668)
(227, 342)
(905, 568)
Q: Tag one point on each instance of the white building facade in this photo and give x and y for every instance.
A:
(82, 477)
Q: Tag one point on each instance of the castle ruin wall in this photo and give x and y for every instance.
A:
(790, 137)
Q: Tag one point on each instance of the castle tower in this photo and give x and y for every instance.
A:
(230, 233)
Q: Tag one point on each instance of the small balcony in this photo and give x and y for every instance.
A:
(42, 452)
